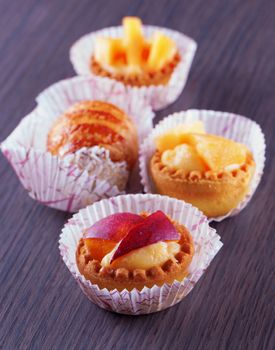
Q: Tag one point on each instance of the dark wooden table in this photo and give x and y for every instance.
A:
(234, 70)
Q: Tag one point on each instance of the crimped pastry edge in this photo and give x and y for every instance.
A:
(197, 175)
(157, 78)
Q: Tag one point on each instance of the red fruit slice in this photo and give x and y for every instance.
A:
(155, 228)
(113, 227)
(102, 237)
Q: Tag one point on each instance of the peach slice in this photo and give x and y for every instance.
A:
(218, 152)
(163, 50)
(114, 227)
(176, 136)
(154, 228)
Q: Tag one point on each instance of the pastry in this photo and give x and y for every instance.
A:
(95, 123)
(208, 171)
(133, 59)
(127, 251)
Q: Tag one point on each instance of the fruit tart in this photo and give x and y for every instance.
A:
(95, 123)
(130, 251)
(134, 59)
(210, 172)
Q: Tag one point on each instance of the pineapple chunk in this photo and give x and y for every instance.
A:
(132, 28)
(183, 157)
(133, 39)
(218, 152)
(108, 51)
(163, 49)
(176, 135)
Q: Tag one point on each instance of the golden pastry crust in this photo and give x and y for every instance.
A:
(145, 78)
(91, 123)
(214, 193)
(122, 278)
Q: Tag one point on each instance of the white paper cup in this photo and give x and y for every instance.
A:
(228, 125)
(157, 96)
(72, 182)
(206, 240)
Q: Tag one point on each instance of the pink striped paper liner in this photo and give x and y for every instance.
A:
(157, 96)
(229, 125)
(63, 183)
(207, 244)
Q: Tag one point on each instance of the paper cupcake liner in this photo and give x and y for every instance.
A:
(206, 240)
(228, 125)
(157, 96)
(72, 182)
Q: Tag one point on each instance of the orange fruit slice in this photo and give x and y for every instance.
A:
(217, 152)
(98, 248)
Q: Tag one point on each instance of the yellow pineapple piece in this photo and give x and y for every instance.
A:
(163, 49)
(108, 50)
(218, 152)
(183, 157)
(176, 136)
(133, 40)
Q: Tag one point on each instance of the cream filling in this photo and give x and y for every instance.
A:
(232, 167)
(144, 258)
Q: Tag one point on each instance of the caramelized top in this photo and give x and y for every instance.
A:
(91, 123)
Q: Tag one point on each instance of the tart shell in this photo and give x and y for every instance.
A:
(148, 300)
(158, 96)
(214, 193)
(122, 278)
(160, 77)
(229, 125)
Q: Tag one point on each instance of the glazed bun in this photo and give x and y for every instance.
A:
(95, 123)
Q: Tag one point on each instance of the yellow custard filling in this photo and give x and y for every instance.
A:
(143, 258)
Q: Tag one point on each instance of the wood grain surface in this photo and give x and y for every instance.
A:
(41, 307)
